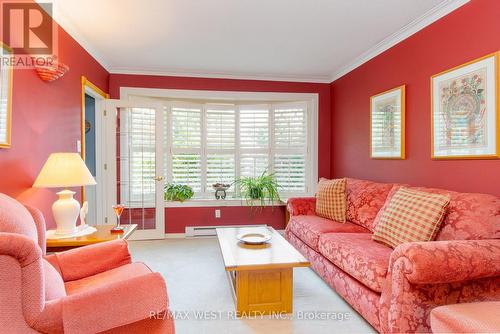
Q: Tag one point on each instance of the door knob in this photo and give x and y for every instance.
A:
(159, 178)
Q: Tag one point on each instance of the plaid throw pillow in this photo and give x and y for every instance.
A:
(331, 199)
(410, 216)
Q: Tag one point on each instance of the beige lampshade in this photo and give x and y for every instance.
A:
(64, 170)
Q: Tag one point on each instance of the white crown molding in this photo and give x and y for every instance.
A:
(215, 75)
(416, 25)
(73, 31)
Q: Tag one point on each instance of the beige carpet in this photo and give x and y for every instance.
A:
(201, 299)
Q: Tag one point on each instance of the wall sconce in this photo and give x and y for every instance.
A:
(53, 71)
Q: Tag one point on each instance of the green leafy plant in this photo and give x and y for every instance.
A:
(177, 192)
(262, 188)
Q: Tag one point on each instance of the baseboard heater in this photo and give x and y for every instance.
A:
(207, 231)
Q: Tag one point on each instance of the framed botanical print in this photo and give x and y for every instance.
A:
(5, 97)
(465, 116)
(387, 124)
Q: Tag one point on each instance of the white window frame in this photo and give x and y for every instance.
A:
(146, 94)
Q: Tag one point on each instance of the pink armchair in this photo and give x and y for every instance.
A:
(86, 290)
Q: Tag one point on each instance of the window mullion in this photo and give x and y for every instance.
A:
(203, 155)
(169, 140)
(237, 153)
(272, 148)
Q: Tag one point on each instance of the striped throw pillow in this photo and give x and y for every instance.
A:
(411, 216)
(331, 199)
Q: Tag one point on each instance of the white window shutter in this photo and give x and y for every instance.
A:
(290, 146)
(186, 144)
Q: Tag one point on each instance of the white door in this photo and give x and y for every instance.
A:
(134, 164)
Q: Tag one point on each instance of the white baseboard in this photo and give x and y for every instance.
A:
(175, 235)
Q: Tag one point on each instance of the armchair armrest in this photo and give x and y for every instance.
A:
(20, 247)
(449, 261)
(114, 305)
(301, 206)
(90, 260)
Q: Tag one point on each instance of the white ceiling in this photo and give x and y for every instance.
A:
(298, 40)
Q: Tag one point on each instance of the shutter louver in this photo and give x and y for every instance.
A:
(186, 140)
(290, 143)
(220, 169)
(253, 164)
(254, 140)
(254, 127)
(137, 156)
(221, 128)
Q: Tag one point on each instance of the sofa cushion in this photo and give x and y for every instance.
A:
(469, 216)
(122, 273)
(331, 199)
(364, 200)
(358, 255)
(411, 216)
(309, 228)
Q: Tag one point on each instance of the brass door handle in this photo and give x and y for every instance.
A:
(159, 178)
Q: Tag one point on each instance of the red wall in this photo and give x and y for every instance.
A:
(176, 218)
(468, 33)
(45, 119)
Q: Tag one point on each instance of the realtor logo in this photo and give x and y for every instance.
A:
(27, 27)
(29, 32)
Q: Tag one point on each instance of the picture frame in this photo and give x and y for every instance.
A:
(465, 117)
(387, 124)
(6, 75)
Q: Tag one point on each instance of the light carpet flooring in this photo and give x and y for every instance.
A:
(201, 299)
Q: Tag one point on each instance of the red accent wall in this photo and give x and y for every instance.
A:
(177, 218)
(467, 33)
(45, 119)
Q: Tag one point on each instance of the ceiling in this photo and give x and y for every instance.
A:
(297, 40)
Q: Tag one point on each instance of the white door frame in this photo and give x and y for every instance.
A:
(100, 191)
(110, 116)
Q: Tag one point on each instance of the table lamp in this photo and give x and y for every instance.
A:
(65, 170)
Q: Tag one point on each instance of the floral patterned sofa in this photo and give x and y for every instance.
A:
(395, 289)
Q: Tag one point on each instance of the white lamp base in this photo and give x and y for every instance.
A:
(66, 210)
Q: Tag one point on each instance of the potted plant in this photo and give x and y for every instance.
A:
(177, 192)
(261, 188)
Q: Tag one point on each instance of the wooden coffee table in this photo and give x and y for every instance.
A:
(101, 235)
(261, 276)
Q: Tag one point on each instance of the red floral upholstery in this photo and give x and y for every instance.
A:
(358, 255)
(301, 206)
(460, 268)
(460, 272)
(364, 200)
(469, 216)
(309, 228)
(361, 298)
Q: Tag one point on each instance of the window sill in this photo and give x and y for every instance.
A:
(218, 203)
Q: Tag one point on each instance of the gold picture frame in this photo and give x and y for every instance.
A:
(387, 124)
(6, 78)
(465, 110)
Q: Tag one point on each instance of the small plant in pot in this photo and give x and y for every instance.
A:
(261, 188)
(177, 192)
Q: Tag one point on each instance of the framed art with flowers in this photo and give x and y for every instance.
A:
(387, 124)
(465, 111)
